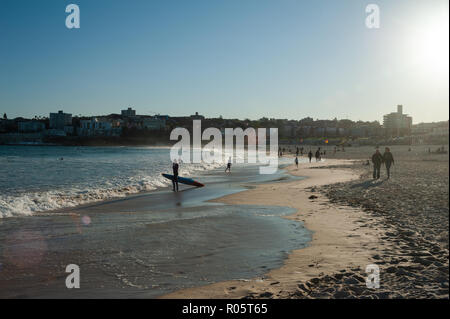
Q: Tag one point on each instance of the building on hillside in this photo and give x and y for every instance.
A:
(154, 123)
(31, 127)
(435, 128)
(440, 131)
(397, 123)
(98, 127)
(128, 112)
(59, 120)
(288, 130)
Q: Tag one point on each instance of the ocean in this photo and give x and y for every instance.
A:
(42, 178)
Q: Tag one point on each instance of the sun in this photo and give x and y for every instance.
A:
(429, 50)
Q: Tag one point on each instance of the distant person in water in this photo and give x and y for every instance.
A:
(388, 161)
(377, 160)
(296, 161)
(318, 155)
(310, 155)
(228, 165)
(175, 176)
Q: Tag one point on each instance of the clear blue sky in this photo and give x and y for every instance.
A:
(235, 58)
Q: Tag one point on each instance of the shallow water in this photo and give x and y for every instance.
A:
(146, 245)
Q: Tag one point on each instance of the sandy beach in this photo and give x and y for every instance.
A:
(356, 222)
(309, 232)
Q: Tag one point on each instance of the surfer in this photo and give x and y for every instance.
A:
(175, 175)
(228, 165)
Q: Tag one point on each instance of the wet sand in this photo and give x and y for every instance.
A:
(342, 242)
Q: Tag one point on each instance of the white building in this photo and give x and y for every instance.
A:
(97, 127)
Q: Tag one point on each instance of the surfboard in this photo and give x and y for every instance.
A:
(184, 180)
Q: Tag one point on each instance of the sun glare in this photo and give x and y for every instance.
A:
(430, 46)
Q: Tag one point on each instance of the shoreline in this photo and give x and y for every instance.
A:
(340, 242)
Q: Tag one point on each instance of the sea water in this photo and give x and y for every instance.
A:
(42, 178)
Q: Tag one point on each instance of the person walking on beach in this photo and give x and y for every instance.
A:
(228, 165)
(296, 161)
(310, 155)
(318, 155)
(377, 160)
(388, 161)
(175, 167)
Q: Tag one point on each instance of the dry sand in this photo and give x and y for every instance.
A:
(413, 209)
(342, 246)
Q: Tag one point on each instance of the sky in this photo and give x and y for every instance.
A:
(232, 58)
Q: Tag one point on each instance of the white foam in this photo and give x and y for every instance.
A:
(29, 203)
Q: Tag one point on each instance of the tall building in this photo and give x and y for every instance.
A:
(129, 112)
(397, 123)
(59, 120)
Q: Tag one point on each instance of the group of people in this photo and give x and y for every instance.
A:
(318, 155)
(378, 159)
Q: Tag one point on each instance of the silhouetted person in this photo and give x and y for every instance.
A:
(296, 161)
(388, 160)
(318, 155)
(175, 176)
(377, 160)
(310, 155)
(228, 166)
